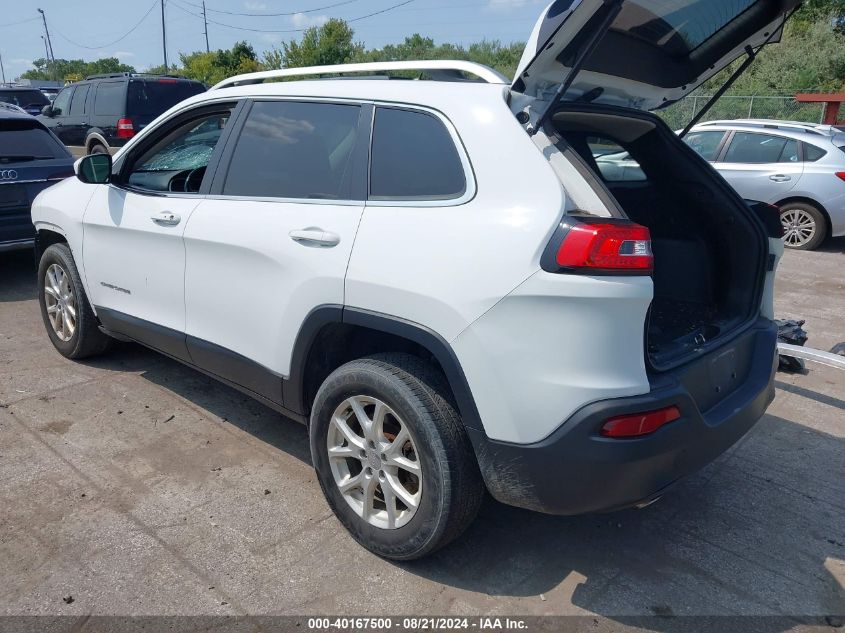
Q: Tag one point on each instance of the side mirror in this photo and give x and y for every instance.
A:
(93, 169)
(47, 110)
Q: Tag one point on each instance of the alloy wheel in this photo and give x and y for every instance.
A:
(374, 462)
(60, 302)
(799, 227)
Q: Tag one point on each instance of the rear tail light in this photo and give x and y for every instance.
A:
(125, 129)
(610, 246)
(840, 175)
(639, 424)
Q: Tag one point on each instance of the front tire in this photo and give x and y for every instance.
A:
(392, 457)
(68, 318)
(804, 226)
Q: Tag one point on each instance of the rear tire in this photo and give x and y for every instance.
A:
(68, 318)
(804, 226)
(97, 148)
(409, 487)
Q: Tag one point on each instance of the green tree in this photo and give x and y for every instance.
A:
(329, 44)
(74, 69)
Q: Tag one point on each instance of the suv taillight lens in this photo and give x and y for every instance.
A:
(840, 174)
(606, 246)
(125, 129)
(639, 424)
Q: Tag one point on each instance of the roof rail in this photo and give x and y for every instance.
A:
(771, 124)
(113, 75)
(441, 69)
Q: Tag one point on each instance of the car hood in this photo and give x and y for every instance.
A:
(655, 52)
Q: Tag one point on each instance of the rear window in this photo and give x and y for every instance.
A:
(752, 148)
(679, 26)
(413, 158)
(27, 140)
(23, 98)
(151, 98)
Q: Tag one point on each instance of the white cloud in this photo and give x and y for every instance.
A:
(255, 6)
(122, 54)
(303, 21)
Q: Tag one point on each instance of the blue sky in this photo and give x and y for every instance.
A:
(89, 29)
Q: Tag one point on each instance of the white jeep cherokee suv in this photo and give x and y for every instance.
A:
(435, 277)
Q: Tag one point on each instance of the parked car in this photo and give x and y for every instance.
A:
(31, 159)
(435, 276)
(798, 167)
(50, 93)
(30, 100)
(104, 111)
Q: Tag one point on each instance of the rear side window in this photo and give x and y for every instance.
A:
(288, 149)
(152, 97)
(813, 153)
(77, 104)
(22, 140)
(413, 158)
(109, 99)
(752, 148)
(614, 162)
(705, 144)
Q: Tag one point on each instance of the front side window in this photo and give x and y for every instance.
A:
(77, 104)
(177, 161)
(413, 158)
(705, 144)
(290, 149)
(61, 104)
(748, 147)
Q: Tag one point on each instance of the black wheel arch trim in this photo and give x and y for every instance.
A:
(294, 386)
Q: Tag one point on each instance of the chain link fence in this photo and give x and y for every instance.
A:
(784, 108)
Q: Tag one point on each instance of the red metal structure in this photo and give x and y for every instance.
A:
(833, 103)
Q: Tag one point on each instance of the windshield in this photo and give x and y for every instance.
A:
(152, 97)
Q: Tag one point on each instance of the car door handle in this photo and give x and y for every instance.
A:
(166, 218)
(780, 178)
(315, 236)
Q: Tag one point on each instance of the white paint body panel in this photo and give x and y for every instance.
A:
(134, 265)
(249, 286)
(553, 345)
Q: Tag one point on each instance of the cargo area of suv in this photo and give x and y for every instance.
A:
(707, 247)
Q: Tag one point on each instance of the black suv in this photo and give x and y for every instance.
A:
(32, 100)
(104, 111)
(31, 159)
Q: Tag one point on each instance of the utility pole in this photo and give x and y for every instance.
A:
(46, 50)
(205, 29)
(47, 31)
(163, 38)
(2, 70)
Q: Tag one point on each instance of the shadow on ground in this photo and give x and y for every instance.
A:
(759, 532)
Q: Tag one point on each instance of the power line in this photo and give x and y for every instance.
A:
(20, 22)
(112, 43)
(244, 28)
(274, 15)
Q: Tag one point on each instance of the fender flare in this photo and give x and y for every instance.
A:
(294, 388)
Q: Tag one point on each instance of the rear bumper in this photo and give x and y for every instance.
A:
(576, 471)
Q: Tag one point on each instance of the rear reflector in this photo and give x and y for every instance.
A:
(840, 175)
(125, 129)
(638, 424)
(607, 246)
